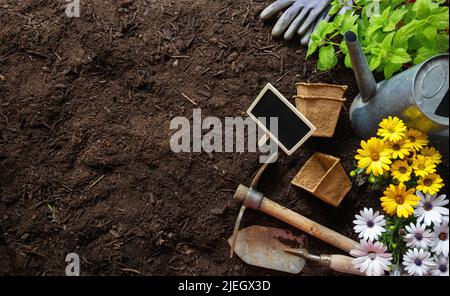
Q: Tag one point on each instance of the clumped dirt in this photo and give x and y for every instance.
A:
(85, 160)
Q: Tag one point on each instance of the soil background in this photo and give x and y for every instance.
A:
(85, 160)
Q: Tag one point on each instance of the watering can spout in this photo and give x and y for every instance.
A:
(364, 77)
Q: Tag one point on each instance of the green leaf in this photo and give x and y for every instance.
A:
(372, 28)
(343, 46)
(347, 61)
(394, 18)
(382, 18)
(312, 46)
(430, 33)
(375, 50)
(391, 68)
(423, 54)
(324, 28)
(441, 42)
(335, 7)
(387, 41)
(348, 22)
(319, 36)
(375, 62)
(400, 56)
(337, 21)
(344, 49)
(439, 18)
(406, 32)
(363, 24)
(327, 58)
(424, 8)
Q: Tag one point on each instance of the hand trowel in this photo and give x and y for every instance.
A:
(264, 247)
(281, 250)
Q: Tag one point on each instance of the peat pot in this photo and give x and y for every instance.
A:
(324, 176)
(320, 90)
(323, 112)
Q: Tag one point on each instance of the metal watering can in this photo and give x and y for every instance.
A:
(418, 95)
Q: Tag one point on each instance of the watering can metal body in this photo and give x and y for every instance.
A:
(418, 95)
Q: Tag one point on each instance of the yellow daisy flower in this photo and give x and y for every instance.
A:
(399, 149)
(373, 156)
(417, 139)
(398, 200)
(423, 165)
(431, 184)
(432, 153)
(401, 171)
(410, 158)
(392, 129)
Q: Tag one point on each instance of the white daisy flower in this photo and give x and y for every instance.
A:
(440, 239)
(418, 262)
(369, 225)
(431, 208)
(418, 236)
(371, 258)
(441, 267)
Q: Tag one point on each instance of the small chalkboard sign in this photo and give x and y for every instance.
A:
(293, 127)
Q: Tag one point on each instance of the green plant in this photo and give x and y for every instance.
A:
(403, 33)
(392, 238)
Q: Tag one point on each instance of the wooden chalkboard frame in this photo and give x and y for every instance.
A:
(294, 110)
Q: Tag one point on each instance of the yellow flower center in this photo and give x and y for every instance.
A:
(421, 167)
(412, 139)
(399, 199)
(402, 170)
(396, 147)
(375, 156)
(427, 182)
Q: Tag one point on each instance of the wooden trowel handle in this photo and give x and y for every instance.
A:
(343, 264)
(313, 228)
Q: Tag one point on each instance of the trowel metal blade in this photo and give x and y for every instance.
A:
(264, 247)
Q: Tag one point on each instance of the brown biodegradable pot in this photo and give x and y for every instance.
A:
(323, 176)
(323, 112)
(320, 90)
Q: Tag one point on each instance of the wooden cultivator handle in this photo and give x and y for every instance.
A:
(255, 200)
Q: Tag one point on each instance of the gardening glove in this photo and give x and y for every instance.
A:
(297, 18)
(323, 16)
(298, 11)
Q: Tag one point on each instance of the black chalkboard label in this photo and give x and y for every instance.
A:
(293, 127)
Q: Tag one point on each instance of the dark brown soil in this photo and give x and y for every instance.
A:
(85, 162)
